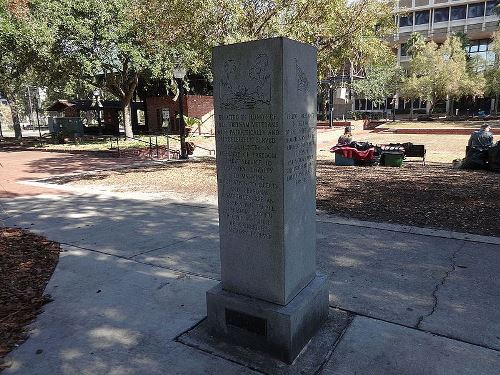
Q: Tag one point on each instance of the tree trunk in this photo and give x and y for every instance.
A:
(429, 106)
(15, 118)
(126, 93)
(127, 121)
(411, 109)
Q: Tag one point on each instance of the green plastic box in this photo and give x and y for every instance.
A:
(393, 159)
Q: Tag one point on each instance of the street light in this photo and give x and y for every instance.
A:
(37, 105)
(179, 74)
(330, 102)
(330, 81)
(98, 105)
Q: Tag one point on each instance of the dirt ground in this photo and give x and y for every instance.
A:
(193, 179)
(435, 196)
(27, 262)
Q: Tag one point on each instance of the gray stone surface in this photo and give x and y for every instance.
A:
(281, 331)
(198, 255)
(114, 316)
(383, 274)
(467, 307)
(466, 303)
(265, 117)
(95, 223)
(328, 218)
(310, 360)
(371, 347)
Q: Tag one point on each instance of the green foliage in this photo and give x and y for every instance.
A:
(23, 50)
(191, 121)
(438, 72)
(341, 31)
(415, 44)
(75, 46)
(492, 73)
(111, 44)
(382, 81)
(463, 38)
(95, 43)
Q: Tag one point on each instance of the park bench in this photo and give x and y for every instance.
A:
(408, 149)
(415, 151)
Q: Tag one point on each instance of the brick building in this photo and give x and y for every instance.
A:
(199, 106)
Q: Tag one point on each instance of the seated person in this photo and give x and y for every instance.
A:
(481, 139)
(479, 143)
(345, 138)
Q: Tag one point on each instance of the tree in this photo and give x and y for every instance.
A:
(95, 42)
(441, 72)
(23, 46)
(492, 72)
(342, 32)
(415, 44)
(382, 81)
(111, 44)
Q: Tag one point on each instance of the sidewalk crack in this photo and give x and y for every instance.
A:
(453, 267)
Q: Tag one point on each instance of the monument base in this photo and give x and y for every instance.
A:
(281, 331)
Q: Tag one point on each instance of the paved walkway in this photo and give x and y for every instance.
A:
(134, 273)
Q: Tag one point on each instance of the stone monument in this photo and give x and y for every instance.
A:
(270, 297)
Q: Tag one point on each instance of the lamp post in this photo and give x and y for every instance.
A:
(98, 105)
(393, 103)
(179, 74)
(330, 102)
(330, 81)
(37, 105)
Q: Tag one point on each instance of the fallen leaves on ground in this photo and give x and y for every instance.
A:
(27, 262)
(435, 196)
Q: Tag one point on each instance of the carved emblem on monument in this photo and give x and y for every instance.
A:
(246, 90)
(302, 81)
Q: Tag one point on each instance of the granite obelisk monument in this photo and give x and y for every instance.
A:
(270, 297)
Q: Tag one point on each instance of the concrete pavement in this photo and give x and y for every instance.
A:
(135, 268)
(134, 274)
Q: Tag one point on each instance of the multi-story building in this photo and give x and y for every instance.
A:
(437, 20)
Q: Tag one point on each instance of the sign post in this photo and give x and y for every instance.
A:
(165, 115)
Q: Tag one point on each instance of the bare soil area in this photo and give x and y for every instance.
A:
(186, 180)
(27, 262)
(435, 196)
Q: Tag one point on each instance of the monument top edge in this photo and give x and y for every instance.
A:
(282, 38)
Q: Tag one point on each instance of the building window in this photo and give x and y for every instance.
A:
(480, 45)
(458, 13)
(475, 10)
(421, 18)
(490, 7)
(406, 20)
(441, 15)
(480, 51)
